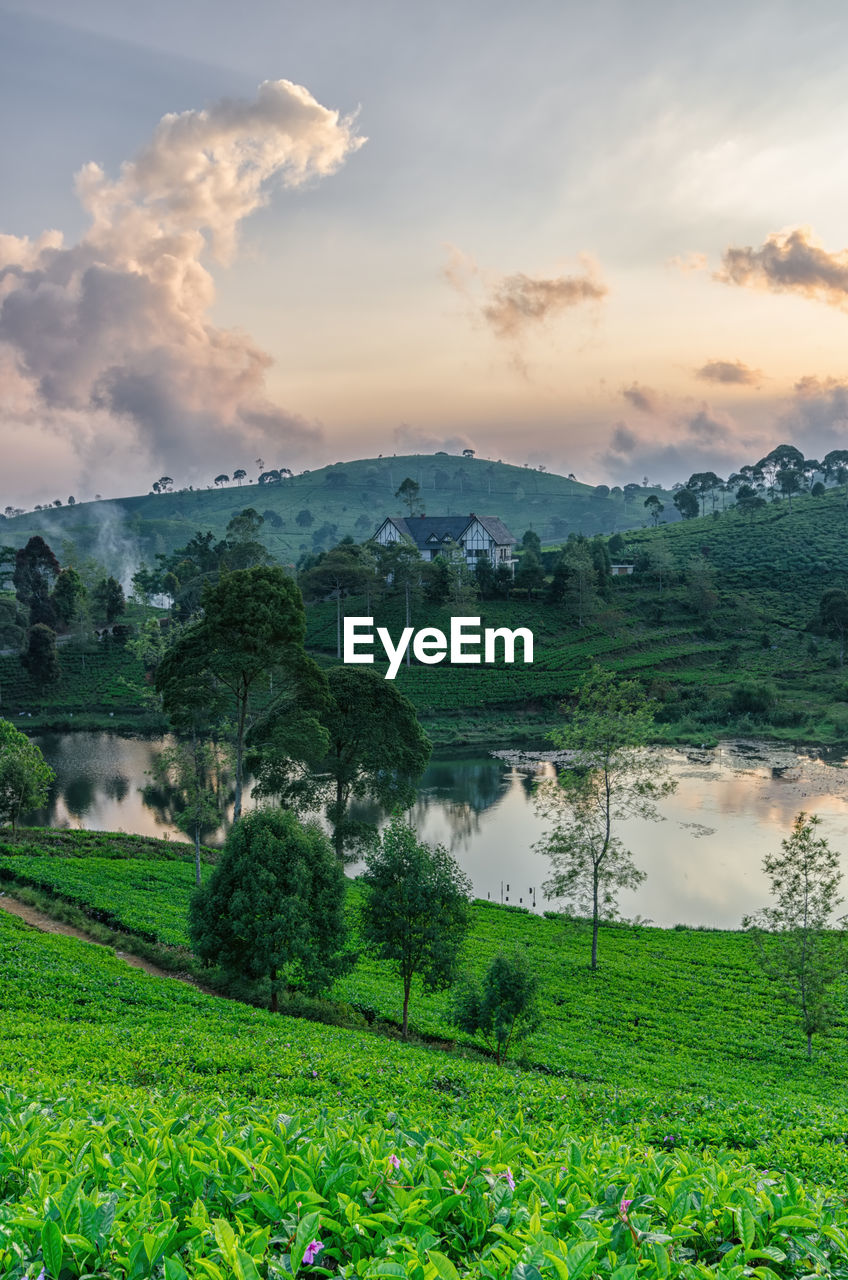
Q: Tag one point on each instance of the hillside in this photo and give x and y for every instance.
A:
(150, 1130)
(347, 498)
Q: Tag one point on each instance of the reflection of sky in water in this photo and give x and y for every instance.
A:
(731, 808)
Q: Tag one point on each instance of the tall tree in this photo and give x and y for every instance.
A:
(41, 657)
(687, 503)
(36, 571)
(253, 623)
(833, 617)
(654, 508)
(610, 777)
(409, 493)
(108, 599)
(797, 946)
(415, 910)
(274, 905)
(342, 571)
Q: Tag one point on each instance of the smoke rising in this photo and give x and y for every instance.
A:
(108, 341)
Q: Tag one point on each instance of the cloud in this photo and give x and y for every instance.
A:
(690, 438)
(817, 418)
(512, 305)
(110, 338)
(689, 262)
(644, 399)
(790, 262)
(728, 372)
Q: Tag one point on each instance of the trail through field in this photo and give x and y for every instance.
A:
(46, 924)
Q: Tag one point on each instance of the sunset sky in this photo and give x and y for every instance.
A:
(607, 237)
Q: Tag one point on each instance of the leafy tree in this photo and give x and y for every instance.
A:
(68, 595)
(304, 518)
(36, 570)
(25, 777)
(581, 580)
(341, 571)
(239, 475)
(700, 583)
(610, 777)
(687, 503)
(529, 576)
(188, 771)
(375, 752)
(241, 548)
(400, 565)
(833, 617)
(749, 501)
(274, 905)
(415, 910)
(657, 562)
(253, 624)
(41, 657)
(409, 493)
(796, 946)
(484, 578)
(654, 508)
(502, 1007)
(109, 601)
(222, 479)
(531, 542)
(789, 480)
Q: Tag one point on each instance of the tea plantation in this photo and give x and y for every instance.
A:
(665, 1122)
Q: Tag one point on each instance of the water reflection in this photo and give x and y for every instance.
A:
(732, 806)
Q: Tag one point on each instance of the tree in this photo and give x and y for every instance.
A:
(187, 771)
(253, 623)
(36, 570)
(581, 579)
(502, 1008)
(409, 493)
(68, 595)
(415, 910)
(789, 480)
(700, 583)
(304, 518)
(109, 601)
(529, 576)
(795, 944)
(749, 501)
(274, 905)
(833, 617)
(25, 777)
(239, 475)
(654, 508)
(687, 503)
(531, 541)
(222, 479)
(340, 571)
(610, 777)
(375, 752)
(41, 657)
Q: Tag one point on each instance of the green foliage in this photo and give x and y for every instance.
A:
(25, 777)
(609, 777)
(273, 906)
(41, 657)
(414, 912)
(502, 1006)
(796, 946)
(108, 600)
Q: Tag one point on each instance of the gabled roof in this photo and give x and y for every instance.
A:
(423, 529)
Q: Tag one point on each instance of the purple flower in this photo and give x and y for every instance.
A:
(312, 1250)
(623, 1207)
(510, 1181)
(394, 1160)
(314, 1075)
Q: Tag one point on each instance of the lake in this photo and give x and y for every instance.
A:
(732, 806)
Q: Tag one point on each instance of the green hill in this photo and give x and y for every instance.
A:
(675, 1132)
(347, 498)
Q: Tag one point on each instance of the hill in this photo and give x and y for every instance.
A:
(346, 498)
(152, 1130)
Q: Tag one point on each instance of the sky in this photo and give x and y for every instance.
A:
(609, 238)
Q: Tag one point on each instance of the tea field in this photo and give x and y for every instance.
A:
(147, 1130)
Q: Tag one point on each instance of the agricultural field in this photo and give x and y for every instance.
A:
(174, 1134)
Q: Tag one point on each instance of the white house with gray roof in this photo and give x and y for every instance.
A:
(433, 535)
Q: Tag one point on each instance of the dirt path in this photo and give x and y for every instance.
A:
(46, 924)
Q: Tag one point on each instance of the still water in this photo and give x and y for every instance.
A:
(703, 861)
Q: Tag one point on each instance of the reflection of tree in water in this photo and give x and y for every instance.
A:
(79, 795)
(167, 801)
(117, 787)
(463, 790)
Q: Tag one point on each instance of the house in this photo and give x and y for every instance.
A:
(618, 570)
(432, 535)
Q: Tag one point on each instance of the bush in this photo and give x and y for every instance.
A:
(274, 905)
(502, 1008)
(752, 698)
